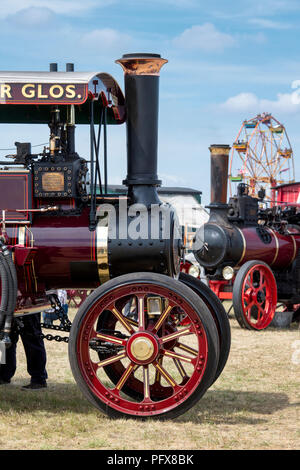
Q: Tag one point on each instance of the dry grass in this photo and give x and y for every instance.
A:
(254, 405)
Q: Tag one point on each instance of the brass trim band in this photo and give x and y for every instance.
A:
(295, 249)
(244, 246)
(277, 245)
(21, 236)
(102, 252)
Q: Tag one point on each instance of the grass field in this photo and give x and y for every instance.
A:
(255, 404)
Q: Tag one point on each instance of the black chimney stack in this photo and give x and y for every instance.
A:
(53, 67)
(69, 67)
(141, 92)
(219, 155)
(71, 120)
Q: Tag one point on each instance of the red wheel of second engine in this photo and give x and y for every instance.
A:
(255, 295)
(141, 360)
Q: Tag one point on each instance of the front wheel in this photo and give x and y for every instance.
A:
(254, 295)
(131, 356)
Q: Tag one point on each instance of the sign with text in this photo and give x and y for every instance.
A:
(43, 93)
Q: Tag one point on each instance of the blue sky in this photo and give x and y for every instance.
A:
(228, 60)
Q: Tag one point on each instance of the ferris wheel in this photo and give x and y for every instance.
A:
(261, 156)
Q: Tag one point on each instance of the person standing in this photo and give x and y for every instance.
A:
(33, 342)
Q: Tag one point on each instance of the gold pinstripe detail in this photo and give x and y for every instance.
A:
(244, 246)
(125, 377)
(277, 245)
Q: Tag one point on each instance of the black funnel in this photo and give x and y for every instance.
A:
(141, 92)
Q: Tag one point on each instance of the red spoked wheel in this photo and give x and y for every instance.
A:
(254, 295)
(128, 354)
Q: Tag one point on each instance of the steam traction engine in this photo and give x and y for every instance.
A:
(144, 343)
(255, 250)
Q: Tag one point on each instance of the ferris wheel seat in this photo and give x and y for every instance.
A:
(236, 179)
(285, 153)
(276, 130)
(240, 147)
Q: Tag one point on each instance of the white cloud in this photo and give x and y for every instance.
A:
(267, 8)
(204, 37)
(240, 102)
(171, 179)
(106, 38)
(32, 16)
(258, 38)
(269, 24)
(249, 102)
(10, 7)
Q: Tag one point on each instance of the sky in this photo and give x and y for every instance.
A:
(227, 61)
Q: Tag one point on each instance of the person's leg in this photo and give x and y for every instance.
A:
(7, 371)
(34, 349)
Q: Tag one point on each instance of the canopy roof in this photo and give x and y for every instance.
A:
(25, 97)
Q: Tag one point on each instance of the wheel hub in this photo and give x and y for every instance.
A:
(260, 296)
(142, 348)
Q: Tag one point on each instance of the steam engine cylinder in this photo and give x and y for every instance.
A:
(227, 244)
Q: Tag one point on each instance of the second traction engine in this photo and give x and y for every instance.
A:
(253, 247)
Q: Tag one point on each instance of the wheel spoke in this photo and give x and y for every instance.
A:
(177, 334)
(128, 371)
(157, 372)
(248, 309)
(165, 374)
(141, 311)
(132, 322)
(162, 318)
(187, 349)
(111, 360)
(122, 319)
(180, 368)
(111, 339)
(146, 383)
(251, 280)
(260, 311)
(262, 282)
(175, 355)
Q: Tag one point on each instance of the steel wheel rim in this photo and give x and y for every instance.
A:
(146, 348)
(259, 297)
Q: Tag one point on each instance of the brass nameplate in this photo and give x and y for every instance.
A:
(53, 181)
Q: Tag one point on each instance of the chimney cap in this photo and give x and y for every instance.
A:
(219, 149)
(141, 63)
(140, 55)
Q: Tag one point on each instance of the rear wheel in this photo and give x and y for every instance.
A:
(218, 313)
(254, 295)
(129, 353)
